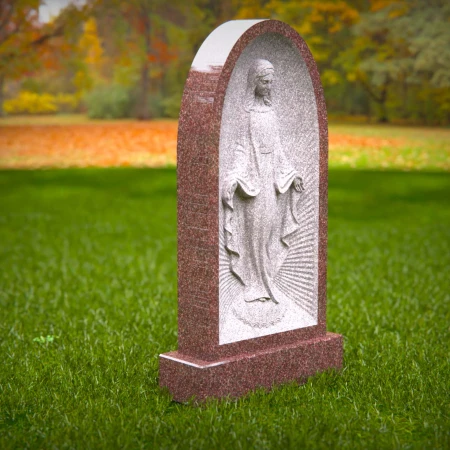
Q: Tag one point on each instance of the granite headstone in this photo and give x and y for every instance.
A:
(252, 216)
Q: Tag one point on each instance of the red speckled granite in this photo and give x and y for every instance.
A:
(186, 377)
(233, 368)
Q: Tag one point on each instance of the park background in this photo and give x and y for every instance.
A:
(89, 100)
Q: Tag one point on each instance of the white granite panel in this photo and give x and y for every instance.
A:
(269, 194)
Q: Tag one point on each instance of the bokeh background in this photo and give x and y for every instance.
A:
(66, 63)
(89, 97)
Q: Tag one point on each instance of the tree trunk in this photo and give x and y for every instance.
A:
(144, 113)
(405, 112)
(380, 99)
(382, 103)
(369, 112)
(2, 85)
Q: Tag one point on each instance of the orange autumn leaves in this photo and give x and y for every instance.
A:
(153, 144)
(401, 148)
(140, 144)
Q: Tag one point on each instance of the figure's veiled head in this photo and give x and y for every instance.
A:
(259, 83)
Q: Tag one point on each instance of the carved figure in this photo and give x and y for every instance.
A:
(260, 195)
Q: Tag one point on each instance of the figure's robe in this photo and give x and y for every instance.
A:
(262, 215)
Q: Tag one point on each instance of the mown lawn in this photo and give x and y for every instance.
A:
(88, 257)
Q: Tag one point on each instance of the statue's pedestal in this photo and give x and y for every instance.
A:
(186, 377)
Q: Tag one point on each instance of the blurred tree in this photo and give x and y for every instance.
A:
(254, 9)
(398, 45)
(382, 49)
(392, 55)
(150, 44)
(25, 42)
(325, 26)
(90, 58)
(147, 23)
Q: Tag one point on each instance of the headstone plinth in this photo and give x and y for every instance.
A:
(252, 217)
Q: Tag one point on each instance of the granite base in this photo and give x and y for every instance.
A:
(187, 377)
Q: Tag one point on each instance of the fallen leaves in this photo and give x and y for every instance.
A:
(153, 144)
(149, 144)
(343, 141)
(410, 152)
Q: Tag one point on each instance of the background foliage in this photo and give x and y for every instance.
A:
(383, 59)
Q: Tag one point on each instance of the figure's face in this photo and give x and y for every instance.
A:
(264, 85)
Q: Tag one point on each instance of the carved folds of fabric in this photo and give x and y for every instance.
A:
(259, 136)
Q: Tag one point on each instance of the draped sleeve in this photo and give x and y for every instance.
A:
(242, 172)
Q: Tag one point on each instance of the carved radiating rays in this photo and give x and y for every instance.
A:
(297, 277)
(230, 289)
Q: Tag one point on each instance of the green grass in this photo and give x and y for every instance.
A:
(88, 257)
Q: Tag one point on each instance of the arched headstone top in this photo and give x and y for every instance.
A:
(218, 45)
(213, 65)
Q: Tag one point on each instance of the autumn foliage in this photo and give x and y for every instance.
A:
(388, 60)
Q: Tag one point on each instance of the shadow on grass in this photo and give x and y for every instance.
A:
(132, 182)
(379, 195)
(354, 195)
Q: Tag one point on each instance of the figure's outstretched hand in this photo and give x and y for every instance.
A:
(298, 184)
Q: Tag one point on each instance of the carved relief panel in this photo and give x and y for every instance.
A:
(269, 194)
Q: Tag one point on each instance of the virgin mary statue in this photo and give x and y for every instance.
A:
(260, 196)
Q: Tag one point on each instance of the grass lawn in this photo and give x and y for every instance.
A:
(88, 256)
